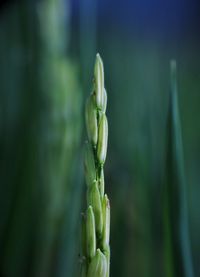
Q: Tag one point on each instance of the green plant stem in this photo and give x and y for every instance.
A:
(96, 225)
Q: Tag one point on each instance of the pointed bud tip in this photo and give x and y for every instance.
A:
(90, 208)
(90, 211)
(98, 61)
(98, 251)
(98, 265)
(98, 56)
(99, 82)
(107, 201)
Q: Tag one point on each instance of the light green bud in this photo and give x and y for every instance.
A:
(106, 221)
(106, 251)
(90, 233)
(101, 183)
(91, 120)
(105, 101)
(99, 82)
(95, 201)
(89, 165)
(98, 265)
(102, 139)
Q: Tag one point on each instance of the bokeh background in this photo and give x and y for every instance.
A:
(47, 53)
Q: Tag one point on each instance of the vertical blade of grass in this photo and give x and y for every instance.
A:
(177, 244)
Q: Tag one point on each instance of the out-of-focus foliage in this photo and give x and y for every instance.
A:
(178, 260)
(40, 136)
(47, 49)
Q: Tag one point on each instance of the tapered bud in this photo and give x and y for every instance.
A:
(91, 120)
(95, 201)
(101, 183)
(104, 101)
(106, 221)
(90, 233)
(99, 82)
(98, 265)
(102, 139)
(106, 252)
(89, 165)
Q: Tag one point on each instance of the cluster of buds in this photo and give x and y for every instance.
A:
(96, 220)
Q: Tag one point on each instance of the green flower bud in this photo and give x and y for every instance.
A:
(90, 233)
(102, 139)
(89, 165)
(106, 251)
(101, 183)
(98, 265)
(99, 82)
(106, 221)
(105, 101)
(91, 120)
(95, 201)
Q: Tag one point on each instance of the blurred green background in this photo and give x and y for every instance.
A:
(47, 52)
